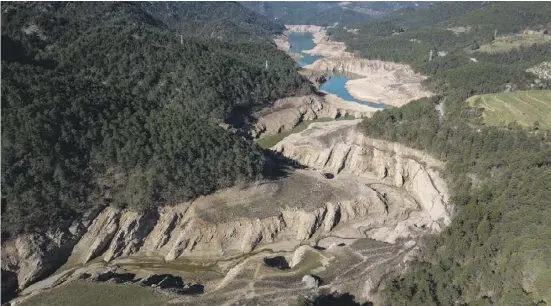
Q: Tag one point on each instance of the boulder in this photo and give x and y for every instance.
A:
(112, 276)
(298, 255)
(152, 280)
(193, 289)
(311, 281)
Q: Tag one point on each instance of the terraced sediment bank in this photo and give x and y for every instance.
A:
(380, 192)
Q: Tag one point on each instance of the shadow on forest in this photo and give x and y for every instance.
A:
(345, 299)
(278, 165)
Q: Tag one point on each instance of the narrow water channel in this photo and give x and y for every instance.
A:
(336, 84)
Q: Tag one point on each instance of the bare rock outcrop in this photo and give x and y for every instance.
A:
(131, 233)
(310, 281)
(98, 236)
(337, 147)
(304, 28)
(36, 255)
(282, 43)
(298, 255)
(286, 113)
(542, 70)
(380, 190)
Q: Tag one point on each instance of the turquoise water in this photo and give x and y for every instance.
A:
(300, 42)
(304, 41)
(335, 85)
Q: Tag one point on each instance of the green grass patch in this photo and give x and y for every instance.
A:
(524, 107)
(272, 140)
(83, 293)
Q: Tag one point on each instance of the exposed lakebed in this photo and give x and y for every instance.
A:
(301, 41)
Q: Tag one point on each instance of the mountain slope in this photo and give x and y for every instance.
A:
(453, 32)
(125, 111)
(324, 13)
(210, 19)
(497, 250)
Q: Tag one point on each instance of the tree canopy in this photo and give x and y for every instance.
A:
(117, 103)
(497, 249)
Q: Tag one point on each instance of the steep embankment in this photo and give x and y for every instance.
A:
(380, 190)
(289, 112)
(338, 148)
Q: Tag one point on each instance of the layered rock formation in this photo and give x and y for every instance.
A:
(381, 190)
(288, 112)
(338, 147)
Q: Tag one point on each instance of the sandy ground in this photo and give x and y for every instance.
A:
(340, 103)
(378, 89)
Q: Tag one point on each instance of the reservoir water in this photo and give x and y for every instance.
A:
(300, 42)
(336, 84)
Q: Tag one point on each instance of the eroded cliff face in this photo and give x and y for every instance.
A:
(381, 190)
(364, 67)
(338, 147)
(304, 28)
(288, 112)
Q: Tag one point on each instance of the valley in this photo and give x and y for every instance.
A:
(204, 153)
(373, 83)
(382, 198)
(349, 87)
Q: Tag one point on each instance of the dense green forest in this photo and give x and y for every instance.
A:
(317, 13)
(103, 103)
(497, 250)
(326, 13)
(226, 20)
(457, 68)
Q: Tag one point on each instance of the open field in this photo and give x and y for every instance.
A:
(506, 43)
(526, 107)
(85, 293)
